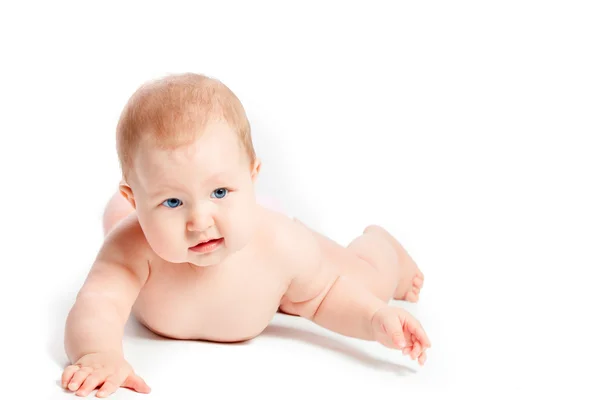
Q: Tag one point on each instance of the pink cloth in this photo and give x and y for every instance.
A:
(270, 203)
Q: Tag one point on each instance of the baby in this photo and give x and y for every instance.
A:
(193, 255)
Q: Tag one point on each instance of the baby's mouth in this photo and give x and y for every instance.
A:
(207, 246)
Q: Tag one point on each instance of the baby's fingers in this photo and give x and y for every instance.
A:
(416, 350)
(392, 331)
(113, 382)
(136, 383)
(92, 382)
(417, 330)
(78, 377)
(68, 374)
(422, 358)
(110, 386)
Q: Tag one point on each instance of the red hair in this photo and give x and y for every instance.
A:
(172, 111)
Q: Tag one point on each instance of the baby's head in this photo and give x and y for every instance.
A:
(189, 167)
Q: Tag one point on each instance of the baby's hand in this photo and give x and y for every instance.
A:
(101, 369)
(397, 329)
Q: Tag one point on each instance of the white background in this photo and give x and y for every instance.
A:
(468, 129)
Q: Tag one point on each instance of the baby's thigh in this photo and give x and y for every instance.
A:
(340, 258)
(368, 260)
(332, 251)
(377, 251)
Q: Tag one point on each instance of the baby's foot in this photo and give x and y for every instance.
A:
(411, 277)
(409, 289)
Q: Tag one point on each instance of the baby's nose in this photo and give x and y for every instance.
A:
(200, 221)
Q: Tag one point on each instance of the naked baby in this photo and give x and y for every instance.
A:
(192, 254)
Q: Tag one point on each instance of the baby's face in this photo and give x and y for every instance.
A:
(196, 193)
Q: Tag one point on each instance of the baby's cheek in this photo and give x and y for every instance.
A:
(241, 226)
(166, 244)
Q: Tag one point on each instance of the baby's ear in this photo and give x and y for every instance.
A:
(256, 169)
(126, 192)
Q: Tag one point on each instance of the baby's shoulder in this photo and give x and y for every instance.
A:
(122, 263)
(292, 241)
(280, 230)
(126, 243)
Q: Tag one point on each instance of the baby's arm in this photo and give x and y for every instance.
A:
(95, 325)
(319, 293)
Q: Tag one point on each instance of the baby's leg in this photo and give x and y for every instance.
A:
(116, 209)
(379, 262)
(411, 278)
(397, 269)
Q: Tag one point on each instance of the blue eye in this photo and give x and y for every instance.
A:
(220, 193)
(172, 203)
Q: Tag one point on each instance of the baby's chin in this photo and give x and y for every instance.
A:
(196, 264)
(208, 260)
(219, 257)
(202, 260)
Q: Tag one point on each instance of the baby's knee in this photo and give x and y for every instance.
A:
(375, 228)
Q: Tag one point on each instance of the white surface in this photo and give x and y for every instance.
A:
(469, 130)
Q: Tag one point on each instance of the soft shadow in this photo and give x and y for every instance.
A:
(338, 347)
(137, 330)
(58, 309)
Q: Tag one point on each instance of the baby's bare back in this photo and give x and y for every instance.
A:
(230, 302)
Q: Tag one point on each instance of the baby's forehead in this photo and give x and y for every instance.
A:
(215, 151)
(210, 146)
(207, 160)
(159, 167)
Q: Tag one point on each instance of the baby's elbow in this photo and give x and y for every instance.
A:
(314, 305)
(306, 298)
(311, 277)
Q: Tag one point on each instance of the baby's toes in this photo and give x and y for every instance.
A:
(418, 282)
(421, 276)
(412, 297)
(416, 290)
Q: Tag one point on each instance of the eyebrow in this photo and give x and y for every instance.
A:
(163, 190)
(166, 188)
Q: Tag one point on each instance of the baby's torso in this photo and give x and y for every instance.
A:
(231, 302)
